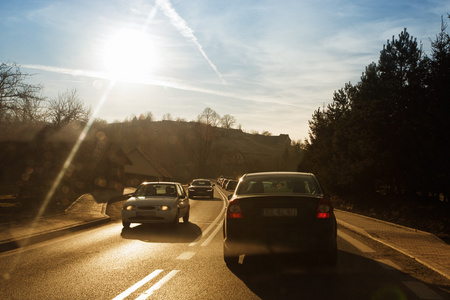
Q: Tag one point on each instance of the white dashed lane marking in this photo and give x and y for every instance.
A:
(186, 255)
(144, 281)
(137, 285)
(157, 285)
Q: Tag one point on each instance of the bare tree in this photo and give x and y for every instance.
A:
(167, 117)
(19, 101)
(67, 107)
(202, 141)
(227, 121)
(209, 117)
(148, 116)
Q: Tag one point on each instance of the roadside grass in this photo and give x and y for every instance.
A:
(429, 216)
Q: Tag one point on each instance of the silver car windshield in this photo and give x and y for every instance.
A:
(155, 190)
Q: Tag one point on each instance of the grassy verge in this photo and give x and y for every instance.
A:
(429, 216)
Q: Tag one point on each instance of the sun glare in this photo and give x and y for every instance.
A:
(130, 55)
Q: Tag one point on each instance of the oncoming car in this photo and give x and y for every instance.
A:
(201, 187)
(279, 213)
(156, 202)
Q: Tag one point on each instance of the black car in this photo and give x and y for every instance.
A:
(279, 213)
(201, 187)
(231, 185)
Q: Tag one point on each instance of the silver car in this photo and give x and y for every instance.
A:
(156, 202)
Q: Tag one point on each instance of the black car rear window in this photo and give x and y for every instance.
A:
(279, 185)
(202, 183)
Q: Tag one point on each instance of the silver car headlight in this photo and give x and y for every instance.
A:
(129, 207)
(163, 207)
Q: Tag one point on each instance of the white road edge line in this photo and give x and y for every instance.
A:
(360, 246)
(210, 227)
(157, 285)
(388, 264)
(137, 285)
(421, 290)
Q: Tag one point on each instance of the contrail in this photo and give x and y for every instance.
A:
(185, 30)
(159, 82)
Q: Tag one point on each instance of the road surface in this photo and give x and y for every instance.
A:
(159, 262)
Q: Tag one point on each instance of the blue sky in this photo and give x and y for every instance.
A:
(269, 64)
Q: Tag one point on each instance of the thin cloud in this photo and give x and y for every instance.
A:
(186, 31)
(73, 72)
(157, 82)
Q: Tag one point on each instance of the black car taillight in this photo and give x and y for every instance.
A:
(324, 209)
(234, 210)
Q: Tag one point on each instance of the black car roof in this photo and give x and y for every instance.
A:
(277, 173)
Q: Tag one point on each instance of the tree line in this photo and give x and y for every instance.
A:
(208, 116)
(36, 140)
(22, 102)
(390, 132)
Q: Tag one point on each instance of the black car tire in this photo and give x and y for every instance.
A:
(229, 258)
(126, 225)
(186, 216)
(330, 257)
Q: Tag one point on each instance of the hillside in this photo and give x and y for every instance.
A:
(33, 156)
(189, 149)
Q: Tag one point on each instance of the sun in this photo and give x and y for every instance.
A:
(130, 55)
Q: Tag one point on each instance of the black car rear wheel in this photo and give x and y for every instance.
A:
(329, 258)
(230, 258)
(126, 225)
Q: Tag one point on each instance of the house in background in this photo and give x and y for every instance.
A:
(109, 161)
(144, 167)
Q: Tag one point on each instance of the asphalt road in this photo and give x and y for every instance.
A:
(186, 263)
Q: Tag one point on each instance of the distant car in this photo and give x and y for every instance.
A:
(156, 202)
(224, 182)
(201, 187)
(280, 213)
(231, 185)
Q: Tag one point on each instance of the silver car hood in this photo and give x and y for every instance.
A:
(151, 201)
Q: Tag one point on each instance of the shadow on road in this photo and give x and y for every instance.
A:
(163, 233)
(355, 277)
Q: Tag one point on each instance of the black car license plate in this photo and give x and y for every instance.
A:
(279, 212)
